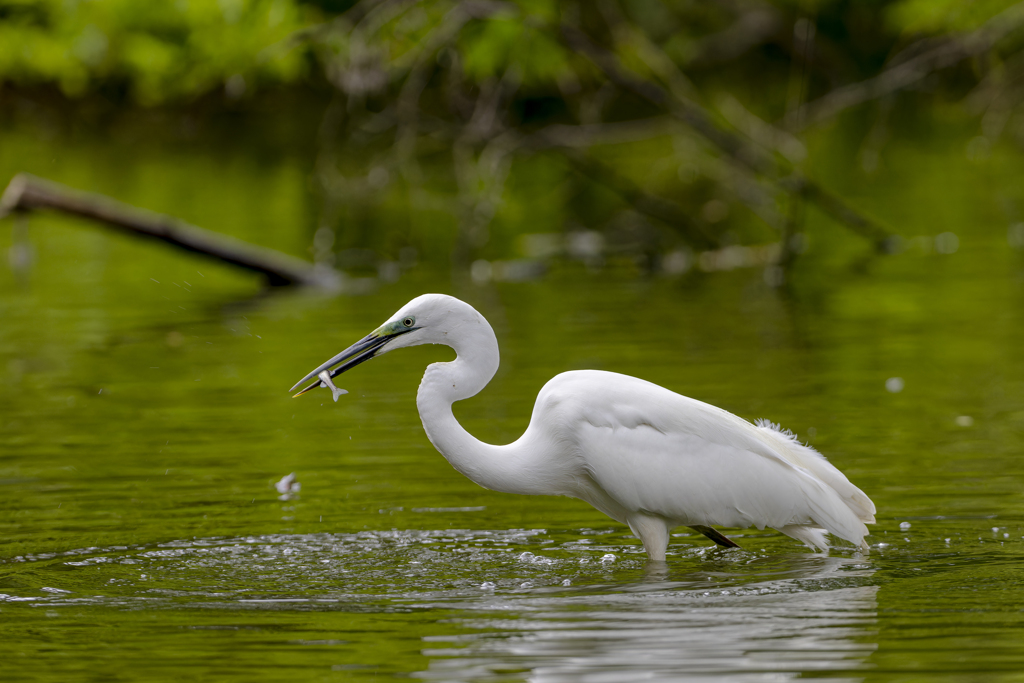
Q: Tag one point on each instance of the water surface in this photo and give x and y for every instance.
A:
(144, 419)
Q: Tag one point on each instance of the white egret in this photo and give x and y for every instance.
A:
(639, 453)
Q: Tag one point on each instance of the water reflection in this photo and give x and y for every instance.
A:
(521, 604)
(763, 632)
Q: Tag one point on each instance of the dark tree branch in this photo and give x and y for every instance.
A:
(733, 146)
(907, 72)
(666, 211)
(575, 138)
(29, 193)
(752, 28)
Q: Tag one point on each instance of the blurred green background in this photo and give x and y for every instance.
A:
(804, 211)
(518, 136)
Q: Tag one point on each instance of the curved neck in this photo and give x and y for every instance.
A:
(476, 362)
(525, 466)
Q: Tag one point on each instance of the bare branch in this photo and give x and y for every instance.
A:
(28, 193)
(910, 71)
(752, 28)
(737, 179)
(760, 131)
(733, 146)
(662, 209)
(589, 134)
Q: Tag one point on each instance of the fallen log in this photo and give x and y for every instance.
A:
(27, 192)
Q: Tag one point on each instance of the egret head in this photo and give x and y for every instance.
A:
(427, 319)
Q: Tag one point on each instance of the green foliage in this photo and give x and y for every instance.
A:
(159, 51)
(512, 41)
(938, 16)
(170, 51)
(453, 128)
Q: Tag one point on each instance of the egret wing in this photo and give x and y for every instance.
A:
(653, 451)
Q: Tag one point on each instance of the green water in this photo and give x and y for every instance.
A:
(144, 419)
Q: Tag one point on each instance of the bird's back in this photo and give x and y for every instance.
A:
(637, 448)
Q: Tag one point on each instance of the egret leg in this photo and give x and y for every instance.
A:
(653, 533)
(716, 536)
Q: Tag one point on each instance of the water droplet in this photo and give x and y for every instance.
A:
(947, 243)
(481, 271)
(610, 557)
(894, 385)
(487, 585)
(1015, 236)
(566, 582)
(904, 526)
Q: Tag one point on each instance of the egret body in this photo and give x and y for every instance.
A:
(641, 454)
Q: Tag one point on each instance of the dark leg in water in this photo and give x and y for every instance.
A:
(715, 536)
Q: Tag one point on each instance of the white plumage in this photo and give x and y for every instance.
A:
(643, 455)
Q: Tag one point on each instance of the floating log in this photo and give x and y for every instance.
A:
(27, 192)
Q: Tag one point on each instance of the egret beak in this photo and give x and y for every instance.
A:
(363, 350)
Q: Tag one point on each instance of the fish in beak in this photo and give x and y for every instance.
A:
(325, 381)
(362, 351)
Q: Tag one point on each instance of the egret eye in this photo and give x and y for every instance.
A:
(409, 322)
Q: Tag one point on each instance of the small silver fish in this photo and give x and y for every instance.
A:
(325, 381)
(288, 484)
